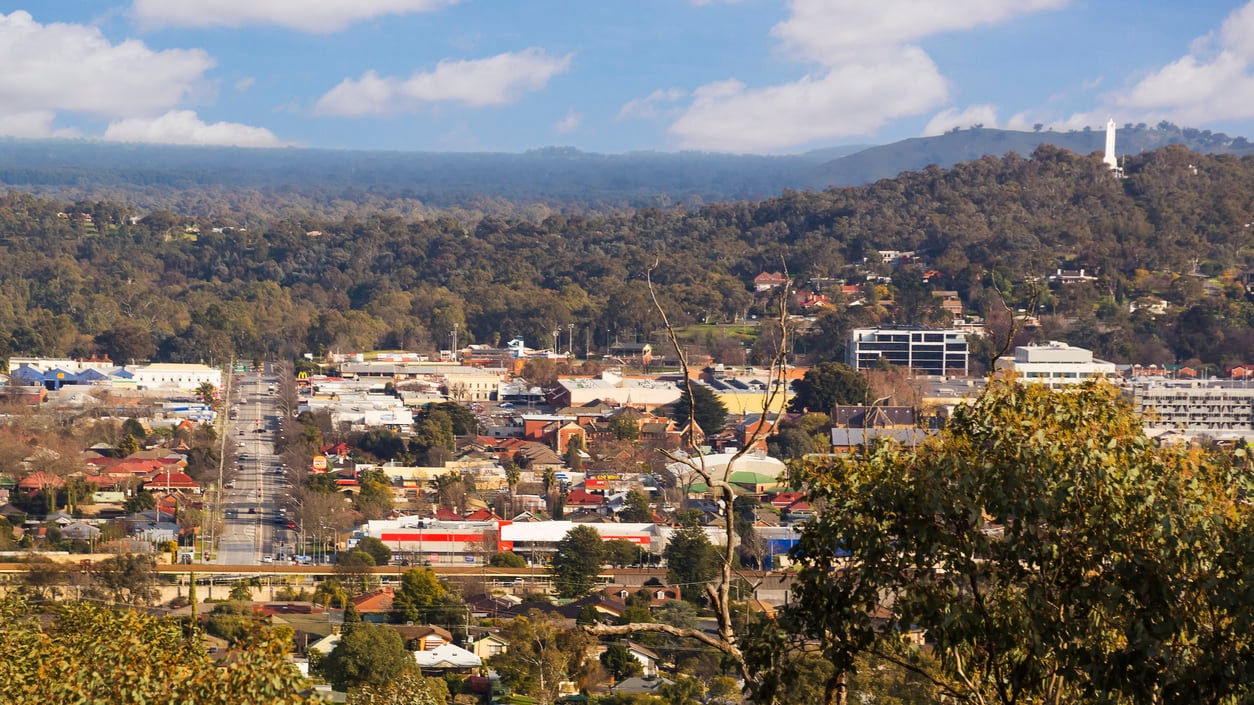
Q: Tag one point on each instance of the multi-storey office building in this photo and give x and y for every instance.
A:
(925, 350)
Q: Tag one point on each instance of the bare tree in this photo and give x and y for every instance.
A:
(727, 640)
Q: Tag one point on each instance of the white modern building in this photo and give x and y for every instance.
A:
(925, 350)
(1055, 364)
(640, 392)
(182, 377)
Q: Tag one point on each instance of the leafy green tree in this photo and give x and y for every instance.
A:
(382, 443)
(132, 427)
(636, 507)
(573, 457)
(826, 386)
(367, 654)
(409, 688)
(375, 499)
(379, 551)
(44, 578)
(462, 418)
(620, 552)
(141, 501)
(540, 656)
(354, 569)
(433, 431)
(691, 560)
(618, 660)
(625, 425)
(126, 342)
(683, 691)
(232, 620)
(723, 691)
(677, 613)
(1042, 518)
(127, 445)
(707, 410)
(423, 599)
(241, 590)
(507, 559)
(588, 614)
(126, 579)
(331, 592)
(91, 654)
(577, 561)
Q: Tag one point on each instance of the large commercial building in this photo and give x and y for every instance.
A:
(1218, 409)
(611, 388)
(1055, 364)
(924, 350)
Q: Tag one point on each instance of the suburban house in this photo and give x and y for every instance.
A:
(769, 280)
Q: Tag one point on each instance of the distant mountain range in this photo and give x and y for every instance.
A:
(147, 174)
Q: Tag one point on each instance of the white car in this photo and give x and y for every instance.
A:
(267, 559)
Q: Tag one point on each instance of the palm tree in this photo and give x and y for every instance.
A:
(205, 391)
(513, 474)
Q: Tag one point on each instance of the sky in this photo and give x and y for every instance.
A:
(612, 76)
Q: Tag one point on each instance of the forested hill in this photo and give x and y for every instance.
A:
(234, 183)
(1174, 229)
(958, 146)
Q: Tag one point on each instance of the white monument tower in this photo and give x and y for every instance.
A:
(1110, 159)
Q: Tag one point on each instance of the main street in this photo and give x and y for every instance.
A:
(250, 504)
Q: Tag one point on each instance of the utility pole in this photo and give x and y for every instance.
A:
(216, 507)
(570, 342)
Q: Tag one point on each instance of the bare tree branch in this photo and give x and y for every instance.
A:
(719, 592)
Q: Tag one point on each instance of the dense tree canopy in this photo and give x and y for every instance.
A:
(1049, 551)
(423, 599)
(92, 654)
(367, 654)
(383, 280)
(577, 561)
(705, 407)
(826, 386)
(691, 560)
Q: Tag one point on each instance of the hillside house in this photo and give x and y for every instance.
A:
(769, 280)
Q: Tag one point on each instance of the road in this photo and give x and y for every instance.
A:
(250, 536)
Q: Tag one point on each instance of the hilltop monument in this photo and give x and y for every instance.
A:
(1110, 159)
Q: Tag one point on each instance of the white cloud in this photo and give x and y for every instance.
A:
(66, 67)
(1214, 81)
(184, 127)
(305, 15)
(651, 105)
(831, 32)
(950, 118)
(865, 71)
(36, 124)
(497, 80)
(245, 83)
(570, 123)
(853, 99)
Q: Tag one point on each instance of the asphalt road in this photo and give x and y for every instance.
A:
(249, 536)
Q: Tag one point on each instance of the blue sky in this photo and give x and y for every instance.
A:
(745, 76)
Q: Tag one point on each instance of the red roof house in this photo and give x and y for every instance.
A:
(582, 498)
(172, 481)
